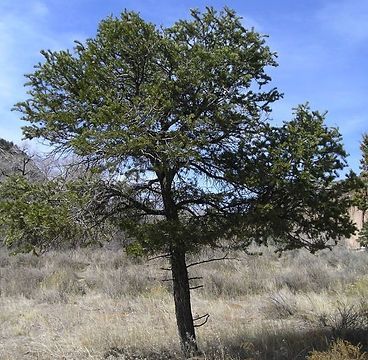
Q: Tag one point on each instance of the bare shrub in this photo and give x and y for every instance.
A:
(26, 261)
(21, 281)
(70, 260)
(281, 305)
(224, 284)
(348, 322)
(65, 281)
(117, 283)
(4, 257)
(236, 277)
(302, 271)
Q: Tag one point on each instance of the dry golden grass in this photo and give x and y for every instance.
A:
(99, 304)
(340, 350)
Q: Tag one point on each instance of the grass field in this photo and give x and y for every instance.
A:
(100, 304)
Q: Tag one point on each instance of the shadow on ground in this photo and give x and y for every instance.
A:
(282, 345)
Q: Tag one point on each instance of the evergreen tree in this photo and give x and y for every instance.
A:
(176, 121)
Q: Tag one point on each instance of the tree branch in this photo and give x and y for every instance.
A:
(158, 257)
(196, 287)
(225, 257)
(205, 317)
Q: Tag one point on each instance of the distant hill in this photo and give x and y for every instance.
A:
(13, 160)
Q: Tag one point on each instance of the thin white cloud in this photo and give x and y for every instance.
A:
(21, 39)
(23, 33)
(250, 22)
(353, 125)
(346, 18)
(38, 8)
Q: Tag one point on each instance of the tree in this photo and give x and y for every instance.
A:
(361, 193)
(17, 160)
(36, 216)
(176, 121)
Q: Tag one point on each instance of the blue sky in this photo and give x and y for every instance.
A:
(322, 47)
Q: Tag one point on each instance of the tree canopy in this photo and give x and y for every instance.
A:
(177, 121)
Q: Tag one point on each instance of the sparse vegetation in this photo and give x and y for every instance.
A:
(6, 145)
(101, 304)
(340, 350)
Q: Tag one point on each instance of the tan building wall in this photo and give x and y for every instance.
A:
(357, 217)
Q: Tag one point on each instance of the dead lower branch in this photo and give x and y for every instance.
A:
(205, 317)
(165, 269)
(225, 257)
(196, 287)
(159, 257)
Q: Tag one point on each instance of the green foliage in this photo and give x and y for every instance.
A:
(360, 197)
(291, 174)
(363, 235)
(6, 145)
(180, 114)
(364, 149)
(35, 216)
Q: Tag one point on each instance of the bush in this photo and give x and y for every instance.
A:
(64, 281)
(348, 322)
(340, 350)
(281, 305)
(22, 281)
(363, 235)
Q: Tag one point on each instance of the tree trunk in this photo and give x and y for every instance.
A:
(363, 218)
(184, 317)
(183, 310)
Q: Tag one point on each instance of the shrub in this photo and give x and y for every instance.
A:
(363, 235)
(20, 281)
(123, 282)
(340, 350)
(281, 305)
(348, 322)
(64, 281)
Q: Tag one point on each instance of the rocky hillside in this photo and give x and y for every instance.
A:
(13, 160)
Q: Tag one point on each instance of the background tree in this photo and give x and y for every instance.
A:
(361, 193)
(175, 120)
(17, 160)
(36, 216)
